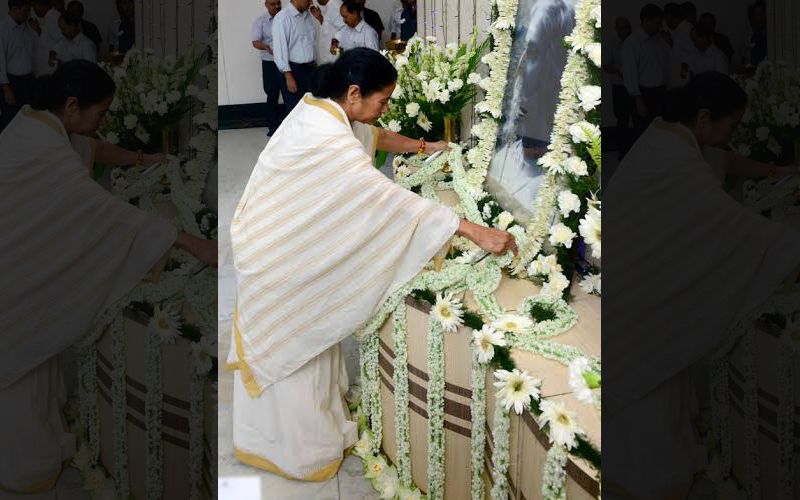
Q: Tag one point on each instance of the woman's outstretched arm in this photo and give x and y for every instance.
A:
(392, 142)
(115, 155)
(745, 167)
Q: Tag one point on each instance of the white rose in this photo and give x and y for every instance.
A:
(162, 108)
(455, 85)
(400, 62)
(568, 202)
(744, 150)
(594, 52)
(130, 122)
(504, 219)
(173, 96)
(444, 96)
(589, 96)
(412, 109)
(561, 235)
(583, 132)
(394, 126)
(762, 133)
(576, 166)
(112, 138)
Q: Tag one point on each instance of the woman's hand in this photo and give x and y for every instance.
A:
(490, 239)
(205, 250)
(787, 171)
(152, 159)
(433, 147)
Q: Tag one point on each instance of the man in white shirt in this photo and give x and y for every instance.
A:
(294, 35)
(644, 56)
(49, 33)
(356, 33)
(270, 76)
(74, 44)
(330, 19)
(17, 59)
(612, 64)
(705, 57)
(680, 42)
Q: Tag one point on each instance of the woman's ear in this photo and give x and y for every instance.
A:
(353, 94)
(72, 107)
(704, 118)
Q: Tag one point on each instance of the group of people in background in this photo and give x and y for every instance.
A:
(39, 35)
(293, 41)
(670, 47)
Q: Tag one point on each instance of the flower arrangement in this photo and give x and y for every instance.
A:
(433, 83)
(152, 95)
(770, 124)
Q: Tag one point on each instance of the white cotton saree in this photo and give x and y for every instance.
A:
(684, 262)
(320, 239)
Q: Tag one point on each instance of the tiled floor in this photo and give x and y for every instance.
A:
(238, 152)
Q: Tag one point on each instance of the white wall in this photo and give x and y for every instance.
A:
(239, 65)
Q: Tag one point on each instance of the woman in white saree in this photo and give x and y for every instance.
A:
(70, 249)
(320, 239)
(687, 262)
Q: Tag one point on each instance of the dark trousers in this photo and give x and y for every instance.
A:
(653, 98)
(302, 75)
(272, 87)
(622, 112)
(22, 87)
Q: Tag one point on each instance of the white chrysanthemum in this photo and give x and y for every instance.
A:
(202, 354)
(444, 96)
(394, 126)
(173, 96)
(512, 323)
(589, 96)
(591, 284)
(744, 150)
(773, 146)
(560, 235)
(504, 219)
(594, 51)
(192, 90)
(474, 78)
(448, 312)
(596, 10)
(165, 322)
(576, 166)
(142, 134)
(590, 230)
(516, 389)
(455, 85)
(130, 121)
(485, 339)
(422, 76)
(564, 428)
(375, 466)
(568, 202)
(762, 133)
(577, 381)
(412, 109)
(553, 161)
(112, 138)
(424, 123)
(791, 334)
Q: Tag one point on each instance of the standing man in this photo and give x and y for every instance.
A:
(294, 36)
(356, 33)
(88, 29)
(689, 12)
(46, 26)
(74, 44)
(644, 60)
(705, 57)
(679, 38)
(17, 59)
(330, 20)
(122, 33)
(372, 18)
(754, 44)
(722, 42)
(271, 77)
(404, 21)
(612, 64)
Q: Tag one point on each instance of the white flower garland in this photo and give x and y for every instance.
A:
(500, 454)
(436, 434)
(119, 402)
(196, 431)
(750, 405)
(478, 443)
(786, 402)
(555, 474)
(153, 398)
(401, 416)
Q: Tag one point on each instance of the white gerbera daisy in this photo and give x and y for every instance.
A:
(591, 284)
(512, 323)
(590, 230)
(516, 389)
(202, 354)
(577, 381)
(423, 122)
(448, 312)
(165, 322)
(773, 146)
(142, 134)
(485, 339)
(564, 428)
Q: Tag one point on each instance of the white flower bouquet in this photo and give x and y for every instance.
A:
(770, 126)
(432, 83)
